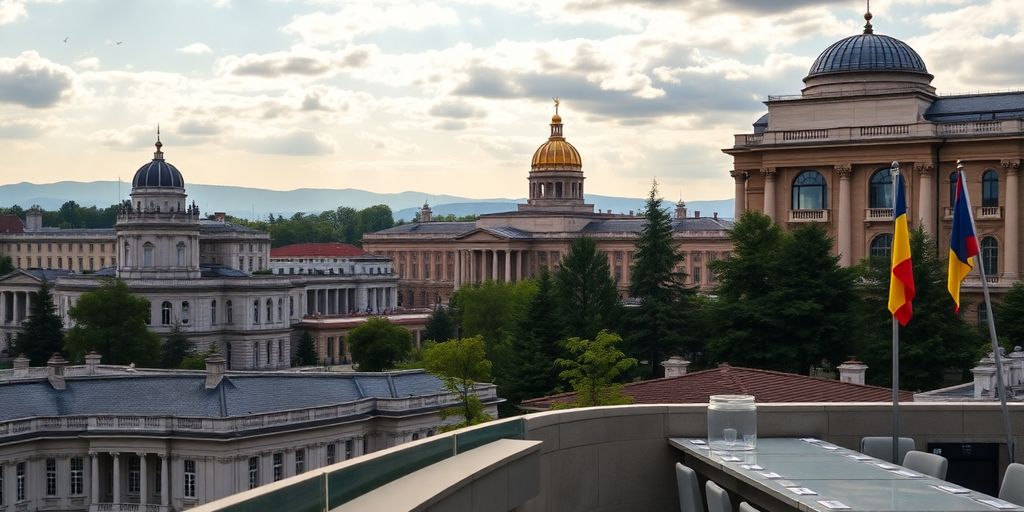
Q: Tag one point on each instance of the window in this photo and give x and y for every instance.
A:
(952, 188)
(158, 476)
(213, 312)
(77, 473)
(255, 355)
(990, 255)
(300, 461)
(147, 255)
(278, 466)
(270, 311)
(881, 247)
(268, 353)
(696, 275)
(280, 310)
(181, 254)
(291, 306)
(190, 477)
(51, 477)
(332, 453)
(241, 263)
(254, 472)
(990, 189)
(256, 311)
(1, 485)
(165, 313)
(19, 481)
(134, 472)
(91, 247)
(809, 191)
(280, 352)
(880, 192)
(348, 449)
(185, 312)
(982, 314)
(229, 316)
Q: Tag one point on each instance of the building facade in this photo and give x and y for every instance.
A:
(823, 156)
(432, 259)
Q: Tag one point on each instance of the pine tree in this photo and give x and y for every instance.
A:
(440, 326)
(530, 370)
(1008, 314)
(305, 353)
(41, 335)
(6, 265)
(585, 291)
(175, 348)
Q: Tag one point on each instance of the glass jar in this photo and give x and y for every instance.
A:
(732, 422)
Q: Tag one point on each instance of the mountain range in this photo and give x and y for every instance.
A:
(257, 203)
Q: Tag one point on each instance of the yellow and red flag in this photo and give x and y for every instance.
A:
(901, 278)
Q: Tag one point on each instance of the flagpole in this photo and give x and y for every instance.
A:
(895, 170)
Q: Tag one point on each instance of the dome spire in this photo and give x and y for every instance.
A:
(556, 122)
(868, 29)
(158, 154)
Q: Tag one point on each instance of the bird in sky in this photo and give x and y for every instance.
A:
(118, 42)
(66, 39)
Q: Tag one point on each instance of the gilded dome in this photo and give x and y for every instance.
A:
(556, 153)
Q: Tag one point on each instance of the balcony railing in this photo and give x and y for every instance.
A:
(808, 215)
(851, 133)
(877, 214)
(989, 212)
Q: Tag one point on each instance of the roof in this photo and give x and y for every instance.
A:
(977, 107)
(158, 173)
(10, 223)
(636, 225)
(211, 226)
(428, 228)
(867, 52)
(330, 250)
(766, 386)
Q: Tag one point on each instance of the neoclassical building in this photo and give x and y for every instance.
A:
(824, 155)
(435, 258)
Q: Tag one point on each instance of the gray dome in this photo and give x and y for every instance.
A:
(158, 173)
(868, 52)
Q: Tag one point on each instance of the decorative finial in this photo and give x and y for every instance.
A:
(159, 154)
(959, 165)
(868, 29)
(556, 105)
(895, 168)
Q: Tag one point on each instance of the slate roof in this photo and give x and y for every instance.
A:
(45, 274)
(185, 394)
(635, 225)
(216, 226)
(430, 228)
(761, 125)
(867, 52)
(317, 250)
(11, 224)
(613, 225)
(977, 107)
(766, 386)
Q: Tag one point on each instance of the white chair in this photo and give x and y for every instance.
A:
(881, 447)
(926, 463)
(745, 507)
(689, 489)
(718, 499)
(1012, 489)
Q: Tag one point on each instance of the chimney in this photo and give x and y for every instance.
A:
(985, 378)
(714, 215)
(214, 371)
(675, 366)
(92, 361)
(1016, 367)
(219, 216)
(680, 210)
(696, 214)
(20, 366)
(631, 213)
(34, 218)
(426, 213)
(55, 371)
(852, 371)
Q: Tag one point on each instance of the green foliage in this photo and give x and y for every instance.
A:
(6, 265)
(529, 371)
(440, 327)
(41, 335)
(72, 215)
(1008, 314)
(492, 309)
(595, 370)
(112, 321)
(451, 217)
(175, 348)
(935, 339)
(305, 352)
(342, 224)
(583, 284)
(460, 364)
(197, 360)
(378, 344)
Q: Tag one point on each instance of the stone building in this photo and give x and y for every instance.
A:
(823, 156)
(116, 438)
(432, 259)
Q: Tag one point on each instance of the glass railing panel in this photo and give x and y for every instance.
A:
(305, 496)
(480, 436)
(353, 481)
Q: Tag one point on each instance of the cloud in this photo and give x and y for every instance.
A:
(297, 62)
(456, 109)
(11, 11)
(126, 139)
(357, 19)
(199, 127)
(90, 63)
(195, 49)
(389, 145)
(293, 143)
(22, 129)
(34, 82)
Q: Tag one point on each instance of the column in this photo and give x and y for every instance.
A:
(28, 304)
(117, 477)
(16, 310)
(626, 270)
(165, 481)
(740, 193)
(769, 191)
(457, 278)
(357, 446)
(394, 296)
(845, 247)
(143, 488)
(94, 478)
(3, 308)
(1011, 267)
(360, 298)
(508, 266)
(926, 198)
(494, 265)
(472, 266)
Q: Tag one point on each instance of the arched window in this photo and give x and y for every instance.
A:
(280, 352)
(880, 193)
(881, 247)
(990, 255)
(147, 254)
(280, 309)
(213, 312)
(185, 310)
(952, 188)
(181, 254)
(810, 191)
(165, 313)
(990, 189)
(270, 311)
(268, 354)
(229, 312)
(256, 311)
(291, 306)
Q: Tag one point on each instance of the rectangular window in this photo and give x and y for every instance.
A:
(103, 261)
(696, 275)
(332, 455)
(348, 449)
(80, 260)
(134, 472)
(19, 482)
(190, 478)
(51, 477)
(91, 247)
(1, 485)
(77, 472)
(254, 472)
(49, 262)
(300, 461)
(92, 263)
(158, 474)
(278, 466)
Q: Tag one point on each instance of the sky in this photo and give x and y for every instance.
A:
(440, 97)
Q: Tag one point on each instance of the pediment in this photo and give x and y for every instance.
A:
(20, 277)
(481, 235)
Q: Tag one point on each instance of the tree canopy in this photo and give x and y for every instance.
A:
(585, 291)
(112, 321)
(175, 348)
(343, 224)
(6, 265)
(305, 353)
(460, 364)
(440, 326)
(530, 371)
(595, 369)
(378, 344)
(42, 334)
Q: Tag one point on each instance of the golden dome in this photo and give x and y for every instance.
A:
(556, 153)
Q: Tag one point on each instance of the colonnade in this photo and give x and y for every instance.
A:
(503, 265)
(118, 472)
(343, 301)
(15, 306)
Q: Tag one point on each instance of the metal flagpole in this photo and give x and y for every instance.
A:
(895, 171)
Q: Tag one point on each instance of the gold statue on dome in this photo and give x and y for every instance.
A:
(556, 105)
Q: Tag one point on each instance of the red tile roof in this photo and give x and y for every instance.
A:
(11, 224)
(330, 250)
(766, 386)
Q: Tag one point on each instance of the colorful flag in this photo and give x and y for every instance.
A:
(901, 280)
(963, 243)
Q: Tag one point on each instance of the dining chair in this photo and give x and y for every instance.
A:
(926, 463)
(746, 507)
(689, 489)
(718, 499)
(1012, 489)
(880, 447)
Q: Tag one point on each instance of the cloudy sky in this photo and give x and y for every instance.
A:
(440, 97)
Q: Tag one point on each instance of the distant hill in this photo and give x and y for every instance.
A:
(258, 203)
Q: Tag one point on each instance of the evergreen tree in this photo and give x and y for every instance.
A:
(440, 326)
(6, 265)
(112, 321)
(658, 326)
(175, 348)
(585, 291)
(378, 344)
(460, 364)
(42, 333)
(1008, 314)
(305, 353)
(530, 371)
(595, 369)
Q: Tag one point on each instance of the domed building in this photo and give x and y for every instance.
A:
(823, 156)
(435, 258)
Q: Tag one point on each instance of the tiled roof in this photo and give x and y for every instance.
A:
(334, 250)
(766, 386)
(977, 107)
(636, 225)
(11, 224)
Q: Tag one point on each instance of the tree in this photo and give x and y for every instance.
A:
(440, 326)
(460, 364)
(305, 353)
(175, 348)
(6, 265)
(530, 370)
(378, 344)
(197, 360)
(42, 334)
(1008, 312)
(112, 321)
(658, 325)
(595, 370)
(585, 290)
(491, 309)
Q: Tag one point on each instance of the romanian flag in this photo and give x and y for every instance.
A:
(963, 243)
(901, 280)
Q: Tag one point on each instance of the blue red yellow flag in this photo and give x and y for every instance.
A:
(901, 278)
(963, 243)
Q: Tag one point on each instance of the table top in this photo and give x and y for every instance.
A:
(839, 478)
